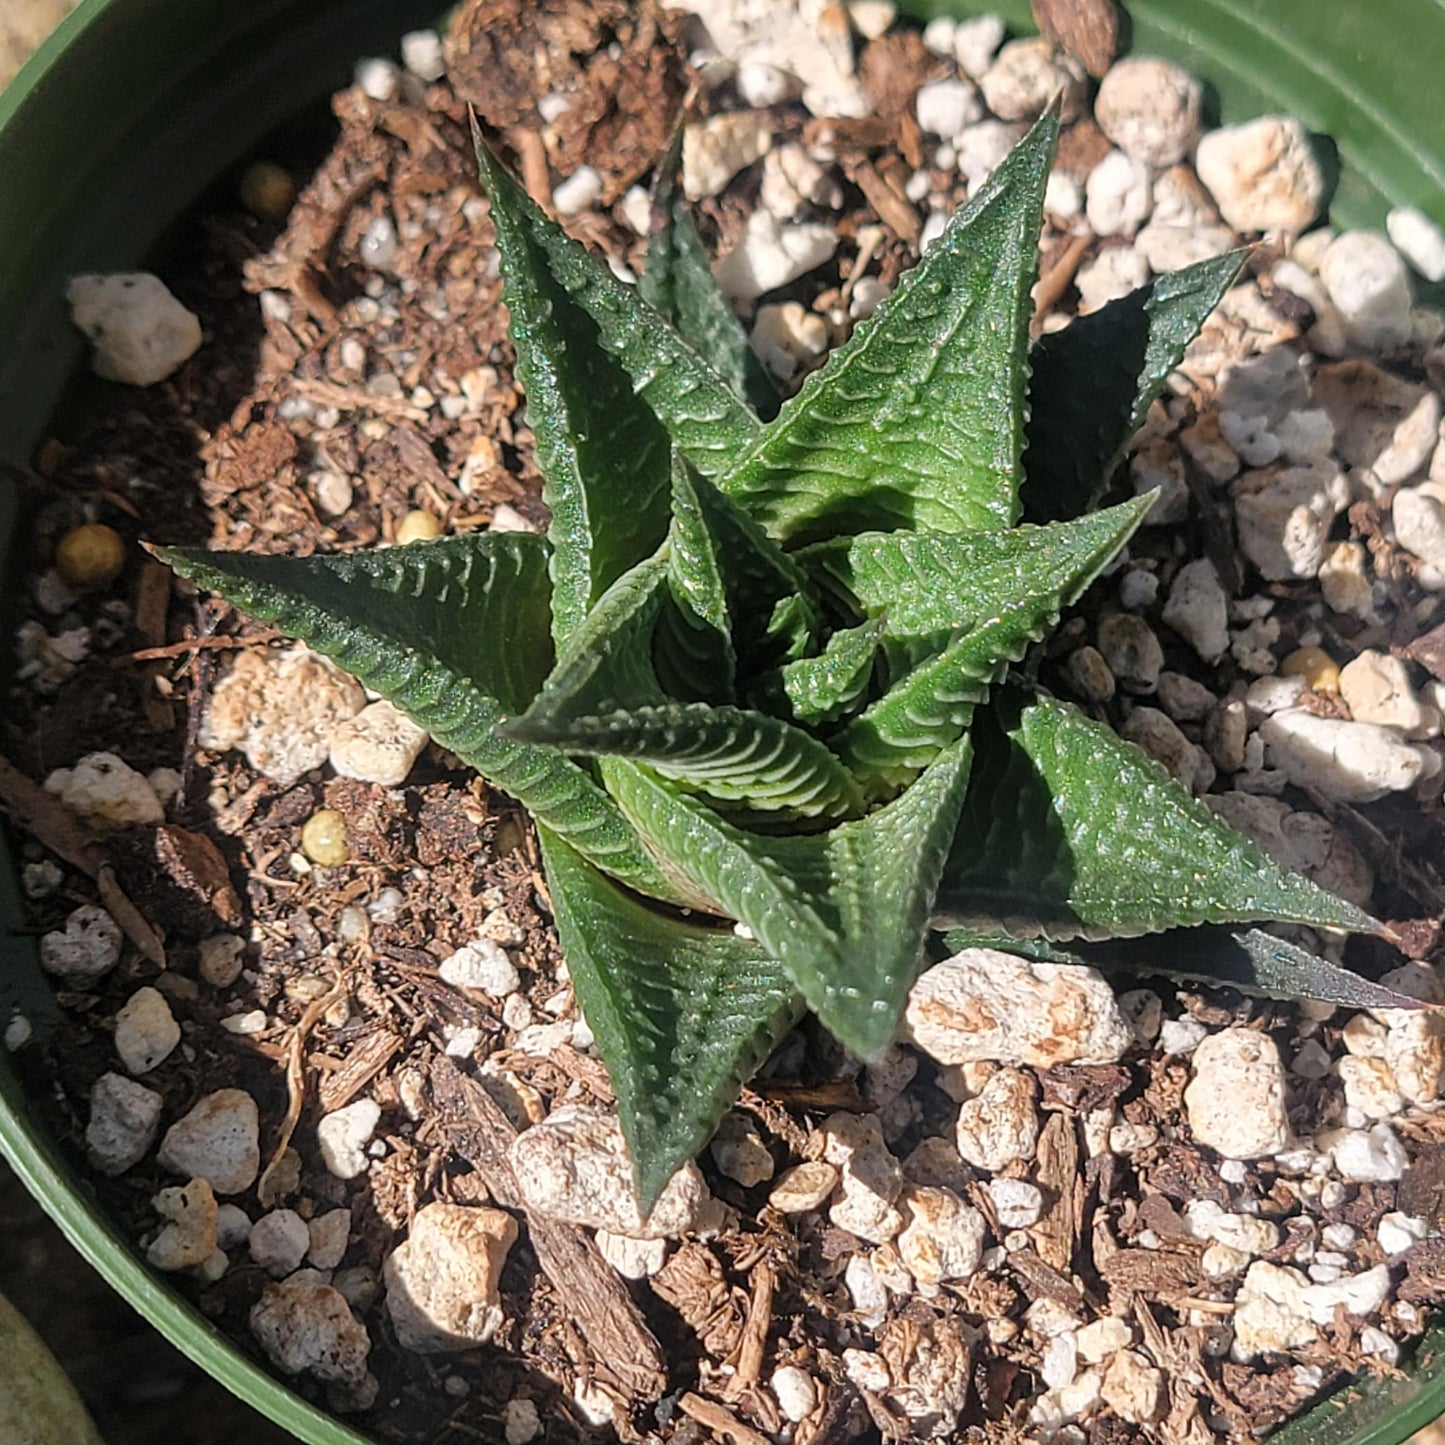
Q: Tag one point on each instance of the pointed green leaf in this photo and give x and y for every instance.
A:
(1018, 580)
(603, 455)
(740, 758)
(918, 420)
(723, 555)
(420, 624)
(845, 912)
(683, 1015)
(927, 583)
(677, 280)
(607, 663)
(695, 649)
(1094, 380)
(821, 689)
(1071, 831)
(705, 419)
(1253, 962)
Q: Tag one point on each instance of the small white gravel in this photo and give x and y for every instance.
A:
(124, 1119)
(343, 1134)
(218, 1140)
(146, 1031)
(483, 965)
(85, 950)
(139, 332)
(1236, 1100)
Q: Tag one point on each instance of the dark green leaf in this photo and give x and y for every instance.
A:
(1093, 382)
(695, 650)
(677, 280)
(603, 455)
(705, 419)
(927, 583)
(1008, 588)
(769, 600)
(740, 758)
(918, 420)
(420, 624)
(845, 912)
(607, 664)
(682, 1014)
(818, 690)
(1071, 831)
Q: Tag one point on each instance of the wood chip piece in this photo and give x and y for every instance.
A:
(1056, 1234)
(1088, 29)
(621, 1343)
(364, 1061)
(720, 1420)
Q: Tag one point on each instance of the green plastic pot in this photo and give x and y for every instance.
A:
(128, 112)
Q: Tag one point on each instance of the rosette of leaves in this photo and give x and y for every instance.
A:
(764, 684)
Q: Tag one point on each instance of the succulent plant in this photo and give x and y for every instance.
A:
(766, 684)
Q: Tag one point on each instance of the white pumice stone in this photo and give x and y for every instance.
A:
(343, 1134)
(1159, 736)
(866, 1290)
(218, 1140)
(980, 149)
(220, 959)
(327, 1236)
(795, 1392)
(1398, 1233)
(804, 1187)
(306, 1326)
(944, 107)
(1415, 1051)
(869, 1180)
(146, 1031)
(1001, 1123)
(124, 1119)
(739, 1152)
(482, 965)
(521, 1421)
(1103, 1337)
(1367, 1156)
(188, 1238)
(632, 1258)
(281, 709)
(1181, 1036)
(106, 791)
(762, 85)
(1263, 174)
(1285, 517)
(1134, 1389)
(574, 1166)
(1017, 1203)
(378, 78)
(85, 950)
(1377, 689)
(1119, 195)
(421, 53)
(578, 192)
(942, 1237)
(715, 150)
(1198, 610)
(1351, 762)
(1132, 651)
(1235, 1102)
(770, 255)
(1370, 288)
(1149, 109)
(1419, 240)
(1026, 75)
(139, 332)
(1114, 272)
(378, 745)
(1419, 517)
(442, 1280)
(983, 1005)
(278, 1242)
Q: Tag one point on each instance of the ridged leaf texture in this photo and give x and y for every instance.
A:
(1070, 831)
(707, 421)
(420, 624)
(603, 455)
(677, 281)
(918, 421)
(1095, 379)
(682, 1014)
(845, 912)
